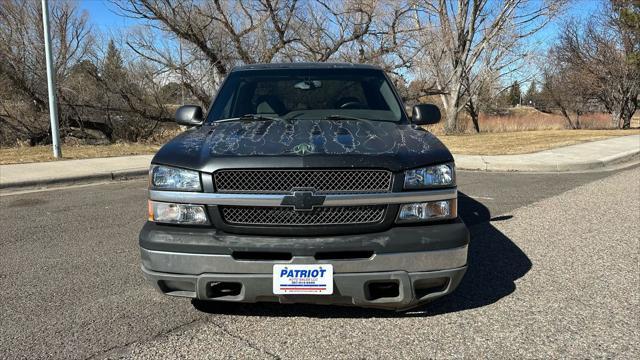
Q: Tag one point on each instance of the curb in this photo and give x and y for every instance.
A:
(113, 175)
(515, 163)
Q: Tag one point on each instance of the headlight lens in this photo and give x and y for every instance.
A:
(185, 214)
(170, 178)
(429, 211)
(429, 177)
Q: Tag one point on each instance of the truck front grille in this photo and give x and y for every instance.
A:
(279, 216)
(320, 181)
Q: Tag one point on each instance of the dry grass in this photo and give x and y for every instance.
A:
(525, 118)
(28, 154)
(523, 142)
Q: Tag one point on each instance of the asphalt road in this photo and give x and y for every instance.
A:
(553, 272)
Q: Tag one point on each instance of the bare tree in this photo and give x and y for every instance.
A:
(600, 53)
(563, 89)
(215, 35)
(100, 99)
(459, 36)
(218, 35)
(481, 89)
(484, 83)
(22, 67)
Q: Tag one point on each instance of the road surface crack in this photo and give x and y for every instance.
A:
(121, 349)
(244, 340)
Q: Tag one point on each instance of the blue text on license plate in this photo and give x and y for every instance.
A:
(316, 279)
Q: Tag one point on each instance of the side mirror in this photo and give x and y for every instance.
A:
(425, 114)
(189, 115)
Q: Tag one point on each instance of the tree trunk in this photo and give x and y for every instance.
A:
(626, 120)
(629, 109)
(615, 119)
(566, 116)
(451, 112)
(474, 112)
(476, 124)
(451, 120)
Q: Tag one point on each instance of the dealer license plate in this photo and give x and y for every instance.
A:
(303, 279)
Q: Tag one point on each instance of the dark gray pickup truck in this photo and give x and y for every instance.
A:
(305, 183)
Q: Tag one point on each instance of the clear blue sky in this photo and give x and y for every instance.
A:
(580, 9)
(102, 15)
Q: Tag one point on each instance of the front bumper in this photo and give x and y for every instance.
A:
(420, 263)
(413, 288)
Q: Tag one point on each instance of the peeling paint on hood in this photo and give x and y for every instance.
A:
(301, 138)
(242, 138)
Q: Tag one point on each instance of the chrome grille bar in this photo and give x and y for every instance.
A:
(276, 199)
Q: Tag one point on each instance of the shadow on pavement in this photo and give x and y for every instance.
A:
(495, 262)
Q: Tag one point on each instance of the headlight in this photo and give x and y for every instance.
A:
(186, 214)
(428, 211)
(430, 177)
(170, 178)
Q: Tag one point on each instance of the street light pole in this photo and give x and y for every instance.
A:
(181, 74)
(51, 82)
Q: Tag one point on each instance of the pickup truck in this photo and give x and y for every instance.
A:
(305, 183)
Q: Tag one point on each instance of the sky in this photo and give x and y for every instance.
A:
(103, 14)
(579, 9)
(105, 17)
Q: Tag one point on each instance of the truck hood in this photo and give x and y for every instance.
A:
(303, 143)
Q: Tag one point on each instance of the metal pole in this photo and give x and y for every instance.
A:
(51, 82)
(181, 73)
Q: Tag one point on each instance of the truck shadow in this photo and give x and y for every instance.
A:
(495, 263)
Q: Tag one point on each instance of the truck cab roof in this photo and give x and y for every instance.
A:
(304, 65)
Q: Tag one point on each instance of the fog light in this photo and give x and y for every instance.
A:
(433, 210)
(177, 213)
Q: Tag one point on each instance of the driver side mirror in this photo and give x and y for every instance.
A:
(189, 115)
(425, 114)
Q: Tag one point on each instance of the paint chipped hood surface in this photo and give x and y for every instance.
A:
(304, 144)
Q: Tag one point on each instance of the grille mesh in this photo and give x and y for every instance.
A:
(246, 215)
(284, 181)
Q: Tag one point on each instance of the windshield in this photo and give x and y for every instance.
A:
(307, 94)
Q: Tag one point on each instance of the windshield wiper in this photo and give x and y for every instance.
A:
(248, 117)
(345, 117)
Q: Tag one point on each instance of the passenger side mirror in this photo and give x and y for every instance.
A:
(425, 114)
(189, 115)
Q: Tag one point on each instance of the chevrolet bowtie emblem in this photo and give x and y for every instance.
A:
(303, 200)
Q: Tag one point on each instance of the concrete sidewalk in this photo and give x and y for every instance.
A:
(587, 156)
(69, 171)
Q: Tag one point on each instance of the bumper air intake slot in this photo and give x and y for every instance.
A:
(261, 255)
(177, 288)
(222, 289)
(382, 289)
(343, 255)
(426, 287)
